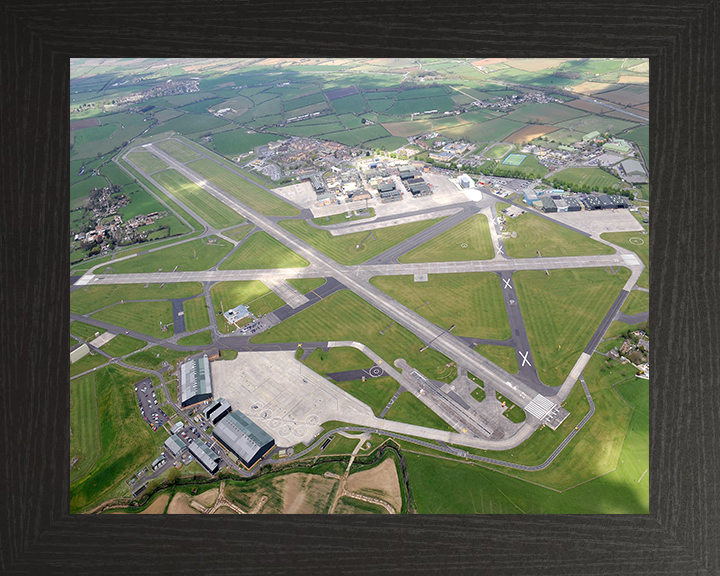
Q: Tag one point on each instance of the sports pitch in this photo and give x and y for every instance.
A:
(514, 160)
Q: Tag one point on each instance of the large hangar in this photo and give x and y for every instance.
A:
(241, 436)
(195, 384)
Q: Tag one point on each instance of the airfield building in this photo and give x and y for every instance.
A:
(217, 410)
(573, 204)
(607, 204)
(79, 352)
(619, 201)
(206, 457)
(406, 173)
(465, 181)
(175, 445)
(561, 205)
(548, 204)
(592, 203)
(195, 385)
(241, 436)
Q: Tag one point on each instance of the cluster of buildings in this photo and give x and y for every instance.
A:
(169, 88)
(509, 101)
(245, 442)
(557, 200)
(636, 351)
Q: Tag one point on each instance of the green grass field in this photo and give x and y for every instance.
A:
(86, 363)
(535, 233)
(498, 151)
(116, 174)
(375, 392)
(410, 410)
(262, 251)
(164, 197)
(85, 300)
(642, 250)
(199, 339)
(305, 285)
(343, 249)
(146, 161)
(259, 299)
(177, 150)
(341, 218)
(239, 232)
(617, 328)
(122, 345)
(143, 317)
(152, 358)
(469, 240)
(126, 442)
(478, 394)
(503, 356)
(596, 473)
(85, 331)
(337, 360)
(245, 191)
(196, 314)
(204, 204)
(72, 341)
(84, 426)
(570, 325)
(361, 323)
(189, 123)
(189, 256)
(593, 177)
(637, 301)
(472, 301)
(512, 413)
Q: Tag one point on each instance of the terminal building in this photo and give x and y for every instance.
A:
(215, 411)
(241, 436)
(206, 457)
(195, 384)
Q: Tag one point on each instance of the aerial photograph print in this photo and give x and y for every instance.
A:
(359, 286)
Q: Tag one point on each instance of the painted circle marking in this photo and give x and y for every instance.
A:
(637, 241)
(463, 245)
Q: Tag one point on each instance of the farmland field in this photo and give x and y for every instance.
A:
(362, 323)
(245, 191)
(495, 130)
(570, 326)
(239, 141)
(529, 133)
(471, 301)
(586, 124)
(628, 95)
(204, 204)
(357, 136)
(549, 113)
(188, 123)
(469, 240)
(262, 251)
(355, 104)
(343, 249)
(189, 256)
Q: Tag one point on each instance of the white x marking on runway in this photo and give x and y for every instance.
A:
(524, 357)
(499, 249)
(507, 283)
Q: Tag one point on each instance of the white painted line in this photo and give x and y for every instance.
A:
(524, 357)
(507, 284)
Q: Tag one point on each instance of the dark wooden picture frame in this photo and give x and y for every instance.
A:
(682, 531)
